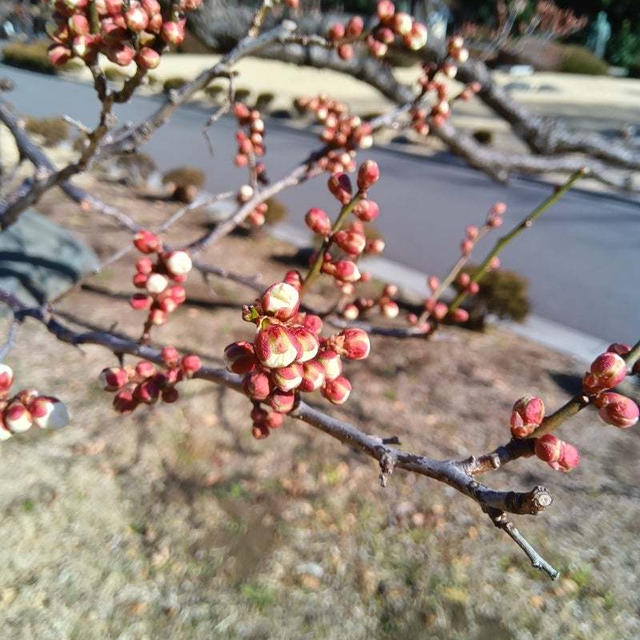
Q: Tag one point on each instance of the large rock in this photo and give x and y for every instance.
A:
(39, 260)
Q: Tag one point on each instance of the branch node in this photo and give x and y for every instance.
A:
(387, 464)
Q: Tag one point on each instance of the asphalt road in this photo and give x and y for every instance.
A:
(582, 258)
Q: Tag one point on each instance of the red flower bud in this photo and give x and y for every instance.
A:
(548, 447)
(460, 316)
(144, 266)
(145, 369)
(170, 394)
(190, 364)
(17, 418)
(366, 210)
(417, 38)
(619, 348)
(148, 58)
(355, 26)
(59, 54)
(137, 19)
(337, 390)
(569, 458)
(124, 402)
(6, 377)
(313, 376)
(173, 32)
(282, 401)
(350, 241)
(331, 363)
(78, 24)
(275, 346)
(368, 175)
(618, 410)
(140, 301)
(346, 270)
(355, 344)
(293, 278)
(607, 371)
(288, 378)
(112, 378)
(313, 323)
(336, 32)
(147, 392)
(308, 343)
(385, 10)
(390, 309)
(147, 242)
(239, 357)
(257, 385)
(526, 416)
(157, 317)
(280, 300)
(402, 23)
(170, 356)
(156, 283)
(340, 186)
(318, 221)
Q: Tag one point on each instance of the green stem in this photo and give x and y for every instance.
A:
(317, 264)
(516, 231)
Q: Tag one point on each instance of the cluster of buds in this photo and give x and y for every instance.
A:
(343, 131)
(394, 26)
(341, 36)
(250, 134)
(122, 31)
(288, 355)
(607, 371)
(384, 303)
(145, 383)
(18, 413)
(160, 297)
(256, 217)
(558, 454)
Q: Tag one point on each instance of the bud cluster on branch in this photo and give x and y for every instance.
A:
(18, 413)
(145, 384)
(123, 31)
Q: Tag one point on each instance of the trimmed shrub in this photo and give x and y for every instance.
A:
(502, 293)
(184, 183)
(52, 130)
(578, 59)
(173, 83)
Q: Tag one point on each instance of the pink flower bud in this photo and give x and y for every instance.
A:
(346, 270)
(569, 458)
(269, 419)
(282, 401)
(433, 282)
(288, 378)
(145, 369)
(466, 246)
(137, 19)
(147, 392)
(375, 246)
(190, 364)
(257, 385)
(124, 402)
(331, 363)
(59, 54)
(139, 280)
(6, 377)
(49, 413)
(460, 316)
(112, 378)
(526, 416)
(351, 311)
(618, 410)
(170, 356)
(355, 27)
(173, 32)
(308, 341)
(366, 210)
(275, 346)
(140, 301)
(239, 357)
(144, 265)
(619, 348)
(337, 390)
(313, 323)
(313, 376)
(376, 48)
(78, 24)
(336, 32)
(472, 232)
(355, 344)
(318, 221)
(293, 278)
(390, 309)
(340, 186)
(417, 38)
(156, 283)
(385, 10)
(402, 23)
(368, 175)
(281, 300)
(177, 293)
(157, 317)
(148, 58)
(350, 241)
(147, 242)
(606, 371)
(548, 447)
(17, 418)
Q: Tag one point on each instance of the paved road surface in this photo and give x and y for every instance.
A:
(582, 257)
